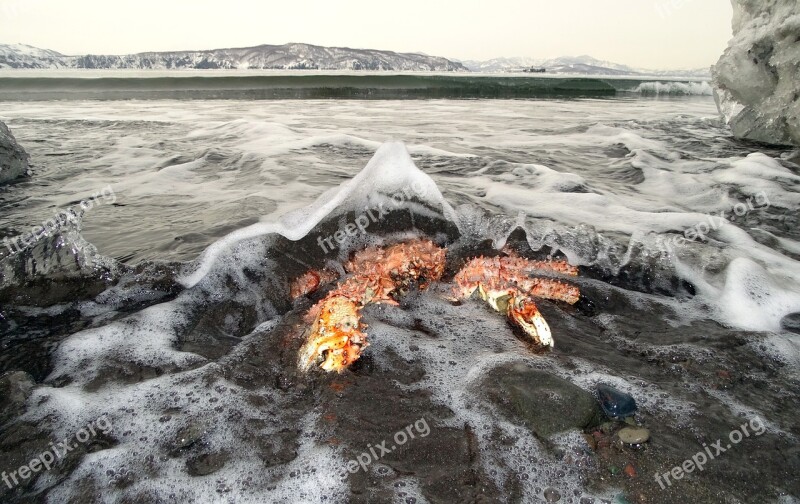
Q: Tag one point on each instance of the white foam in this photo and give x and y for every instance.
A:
(753, 299)
(143, 433)
(146, 339)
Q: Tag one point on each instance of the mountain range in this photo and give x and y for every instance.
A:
(283, 57)
(575, 65)
(312, 57)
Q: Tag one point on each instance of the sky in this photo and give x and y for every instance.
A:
(659, 34)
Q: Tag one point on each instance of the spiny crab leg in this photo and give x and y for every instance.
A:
(336, 336)
(524, 313)
(505, 283)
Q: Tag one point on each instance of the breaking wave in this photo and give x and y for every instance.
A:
(674, 89)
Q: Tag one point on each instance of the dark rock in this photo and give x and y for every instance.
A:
(207, 463)
(188, 436)
(15, 387)
(13, 158)
(615, 403)
(544, 403)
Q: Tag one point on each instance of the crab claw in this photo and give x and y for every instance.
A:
(336, 337)
(524, 313)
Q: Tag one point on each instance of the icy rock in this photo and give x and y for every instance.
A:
(13, 158)
(756, 78)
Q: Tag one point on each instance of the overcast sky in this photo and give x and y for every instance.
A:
(642, 33)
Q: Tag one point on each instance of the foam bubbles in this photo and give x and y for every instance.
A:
(753, 299)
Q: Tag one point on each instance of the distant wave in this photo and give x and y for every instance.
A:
(674, 89)
(316, 86)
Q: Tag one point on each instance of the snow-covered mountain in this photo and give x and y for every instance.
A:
(287, 56)
(495, 65)
(586, 65)
(25, 56)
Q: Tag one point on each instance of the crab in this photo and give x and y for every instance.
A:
(336, 337)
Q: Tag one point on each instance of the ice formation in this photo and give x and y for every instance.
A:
(13, 158)
(756, 79)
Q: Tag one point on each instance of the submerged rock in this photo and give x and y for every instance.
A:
(615, 403)
(544, 403)
(205, 464)
(756, 77)
(13, 158)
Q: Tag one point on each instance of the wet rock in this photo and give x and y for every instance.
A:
(615, 403)
(218, 329)
(543, 402)
(15, 387)
(13, 158)
(188, 436)
(634, 435)
(207, 463)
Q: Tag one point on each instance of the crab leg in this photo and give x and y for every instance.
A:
(336, 337)
(524, 313)
(547, 288)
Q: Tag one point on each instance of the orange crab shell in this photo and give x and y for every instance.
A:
(413, 260)
(336, 337)
(502, 273)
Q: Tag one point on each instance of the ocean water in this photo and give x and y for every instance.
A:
(163, 305)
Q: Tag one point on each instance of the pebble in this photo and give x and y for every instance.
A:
(634, 435)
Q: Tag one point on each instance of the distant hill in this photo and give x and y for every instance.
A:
(25, 56)
(586, 65)
(283, 57)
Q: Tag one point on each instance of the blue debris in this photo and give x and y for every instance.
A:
(615, 404)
